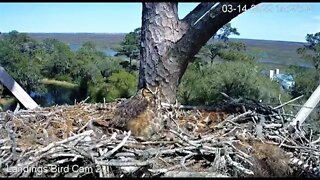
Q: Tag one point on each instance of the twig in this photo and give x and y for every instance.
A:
(296, 147)
(122, 164)
(53, 144)
(190, 107)
(109, 153)
(161, 171)
(183, 138)
(80, 151)
(272, 125)
(83, 127)
(283, 111)
(288, 102)
(316, 141)
(229, 132)
(238, 166)
(84, 101)
(243, 158)
(259, 127)
(244, 154)
(183, 160)
(220, 125)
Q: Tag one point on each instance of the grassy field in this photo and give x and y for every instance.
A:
(63, 84)
(5, 103)
(276, 52)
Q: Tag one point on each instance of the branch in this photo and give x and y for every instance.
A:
(72, 138)
(288, 102)
(124, 140)
(198, 34)
(197, 12)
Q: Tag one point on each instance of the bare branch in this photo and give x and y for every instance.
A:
(197, 12)
(109, 153)
(288, 102)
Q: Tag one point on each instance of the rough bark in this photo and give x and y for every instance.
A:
(160, 31)
(168, 43)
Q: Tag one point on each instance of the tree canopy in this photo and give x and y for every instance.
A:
(311, 51)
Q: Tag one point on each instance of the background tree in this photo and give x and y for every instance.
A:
(311, 51)
(308, 80)
(235, 51)
(221, 45)
(54, 74)
(17, 56)
(305, 82)
(130, 46)
(212, 50)
(60, 60)
(225, 32)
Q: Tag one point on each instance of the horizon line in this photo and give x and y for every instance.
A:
(127, 33)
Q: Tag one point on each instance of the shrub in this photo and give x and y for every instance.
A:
(305, 81)
(237, 79)
(120, 85)
(124, 82)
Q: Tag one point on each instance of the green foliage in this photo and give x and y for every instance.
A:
(130, 46)
(308, 80)
(212, 50)
(87, 61)
(225, 49)
(30, 62)
(58, 63)
(237, 79)
(311, 51)
(305, 81)
(230, 51)
(17, 56)
(109, 65)
(235, 51)
(101, 77)
(1, 90)
(120, 84)
(124, 83)
(226, 31)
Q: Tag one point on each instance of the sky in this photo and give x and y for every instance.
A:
(270, 21)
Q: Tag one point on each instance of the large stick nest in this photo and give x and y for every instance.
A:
(75, 141)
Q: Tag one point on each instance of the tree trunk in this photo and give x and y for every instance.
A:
(130, 63)
(213, 55)
(168, 44)
(160, 30)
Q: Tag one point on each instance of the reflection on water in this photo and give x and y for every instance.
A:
(56, 95)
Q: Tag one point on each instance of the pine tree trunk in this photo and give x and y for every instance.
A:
(160, 32)
(168, 44)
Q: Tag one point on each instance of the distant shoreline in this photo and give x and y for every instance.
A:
(121, 34)
(270, 51)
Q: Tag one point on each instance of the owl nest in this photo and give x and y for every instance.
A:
(75, 141)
